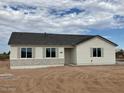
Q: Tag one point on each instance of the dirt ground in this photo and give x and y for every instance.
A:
(83, 79)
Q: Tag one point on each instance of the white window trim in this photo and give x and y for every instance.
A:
(50, 53)
(102, 52)
(26, 53)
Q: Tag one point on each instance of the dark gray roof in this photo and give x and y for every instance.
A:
(23, 38)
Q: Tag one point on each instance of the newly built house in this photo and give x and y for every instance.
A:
(36, 50)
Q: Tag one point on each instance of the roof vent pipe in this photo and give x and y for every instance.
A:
(45, 34)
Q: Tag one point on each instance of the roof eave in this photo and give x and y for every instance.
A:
(98, 36)
(112, 43)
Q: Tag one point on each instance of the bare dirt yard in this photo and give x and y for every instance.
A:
(83, 79)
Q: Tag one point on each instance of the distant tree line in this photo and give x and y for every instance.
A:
(120, 54)
(4, 55)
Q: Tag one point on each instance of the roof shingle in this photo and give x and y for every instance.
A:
(23, 38)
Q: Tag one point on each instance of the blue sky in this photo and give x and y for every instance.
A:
(115, 35)
(97, 17)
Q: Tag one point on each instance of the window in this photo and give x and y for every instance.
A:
(50, 52)
(96, 52)
(53, 52)
(29, 52)
(23, 52)
(99, 52)
(26, 52)
(47, 52)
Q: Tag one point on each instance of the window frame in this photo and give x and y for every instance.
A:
(51, 53)
(26, 53)
(97, 52)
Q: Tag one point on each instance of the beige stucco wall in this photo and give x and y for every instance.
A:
(83, 53)
(38, 59)
(38, 52)
(61, 52)
(79, 54)
(13, 54)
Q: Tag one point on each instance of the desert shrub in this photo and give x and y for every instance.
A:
(4, 56)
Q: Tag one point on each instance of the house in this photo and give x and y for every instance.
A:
(36, 50)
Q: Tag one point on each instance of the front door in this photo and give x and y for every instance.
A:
(67, 56)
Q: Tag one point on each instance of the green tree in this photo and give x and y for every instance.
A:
(120, 53)
(8, 53)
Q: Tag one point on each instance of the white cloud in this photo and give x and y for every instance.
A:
(97, 14)
(108, 37)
